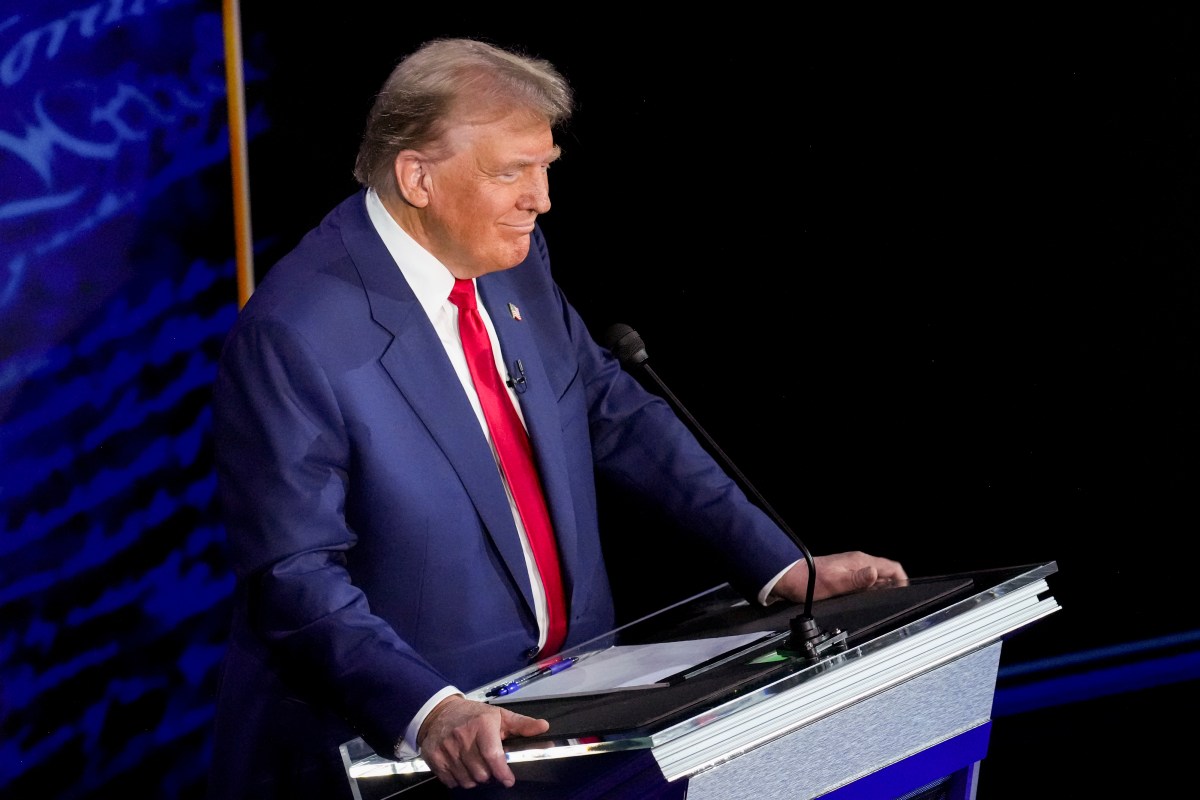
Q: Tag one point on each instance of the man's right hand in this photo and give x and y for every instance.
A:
(462, 741)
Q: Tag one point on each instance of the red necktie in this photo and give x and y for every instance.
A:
(516, 458)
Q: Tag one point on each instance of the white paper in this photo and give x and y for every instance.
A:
(628, 667)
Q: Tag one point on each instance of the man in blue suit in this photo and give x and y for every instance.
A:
(381, 565)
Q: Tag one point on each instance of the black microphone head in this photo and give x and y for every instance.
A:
(626, 345)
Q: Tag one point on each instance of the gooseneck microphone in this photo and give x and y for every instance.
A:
(806, 636)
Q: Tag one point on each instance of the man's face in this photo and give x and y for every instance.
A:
(484, 198)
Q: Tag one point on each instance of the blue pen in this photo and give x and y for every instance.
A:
(550, 669)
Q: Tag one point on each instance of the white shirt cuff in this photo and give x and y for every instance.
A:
(764, 596)
(407, 747)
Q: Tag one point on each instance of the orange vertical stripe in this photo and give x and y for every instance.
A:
(236, 91)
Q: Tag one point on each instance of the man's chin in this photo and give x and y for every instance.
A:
(517, 252)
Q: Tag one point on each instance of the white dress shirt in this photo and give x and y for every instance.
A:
(431, 282)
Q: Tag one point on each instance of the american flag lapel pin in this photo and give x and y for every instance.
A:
(516, 312)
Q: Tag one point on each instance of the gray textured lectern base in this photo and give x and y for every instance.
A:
(862, 738)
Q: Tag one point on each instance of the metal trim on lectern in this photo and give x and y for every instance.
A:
(894, 665)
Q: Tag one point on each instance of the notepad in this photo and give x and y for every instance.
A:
(624, 667)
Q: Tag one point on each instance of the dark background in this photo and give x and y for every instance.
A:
(929, 280)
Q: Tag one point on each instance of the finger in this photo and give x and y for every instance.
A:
(440, 766)
(461, 774)
(495, 764)
(890, 573)
(514, 724)
(476, 766)
(864, 577)
(448, 762)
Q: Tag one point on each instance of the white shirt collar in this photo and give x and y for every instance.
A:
(429, 278)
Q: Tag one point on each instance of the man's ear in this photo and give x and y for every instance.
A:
(412, 178)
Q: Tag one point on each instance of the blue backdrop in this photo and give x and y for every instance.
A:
(117, 283)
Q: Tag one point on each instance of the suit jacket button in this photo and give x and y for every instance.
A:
(530, 654)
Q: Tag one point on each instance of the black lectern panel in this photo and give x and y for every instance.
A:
(719, 613)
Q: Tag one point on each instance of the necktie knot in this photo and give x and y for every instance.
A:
(463, 294)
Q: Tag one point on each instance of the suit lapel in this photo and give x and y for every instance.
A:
(423, 375)
(539, 406)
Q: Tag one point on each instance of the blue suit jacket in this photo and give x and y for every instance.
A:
(376, 556)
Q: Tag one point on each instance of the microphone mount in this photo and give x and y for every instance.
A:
(806, 638)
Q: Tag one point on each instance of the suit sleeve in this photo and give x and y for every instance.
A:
(283, 457)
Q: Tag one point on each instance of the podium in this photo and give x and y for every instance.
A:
(897, 702)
